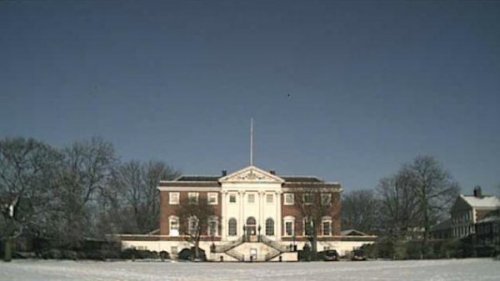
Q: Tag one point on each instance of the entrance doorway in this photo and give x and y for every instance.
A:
(251, 227)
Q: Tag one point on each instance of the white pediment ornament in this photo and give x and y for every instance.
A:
(252, 174)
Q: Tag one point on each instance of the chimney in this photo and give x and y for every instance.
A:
(477, 192)
(224, 173)
(272, 172)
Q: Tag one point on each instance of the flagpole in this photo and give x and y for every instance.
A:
(251, 141)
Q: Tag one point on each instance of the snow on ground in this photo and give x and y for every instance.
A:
(436, 270)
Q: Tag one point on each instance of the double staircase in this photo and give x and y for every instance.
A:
(238, 249)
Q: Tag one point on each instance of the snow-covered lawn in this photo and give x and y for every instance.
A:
(468, 269)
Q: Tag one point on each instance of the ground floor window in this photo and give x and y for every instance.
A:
(232, 227)
(270, 227)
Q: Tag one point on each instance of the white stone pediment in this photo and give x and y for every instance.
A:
(251, 174)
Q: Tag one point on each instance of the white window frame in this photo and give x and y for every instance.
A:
(195, 196)
(305, 195)
(192, 228)
(213, 195)
(329, 221)
(251, 195)
(173, 198)
(326, 199)
(173, 231)
(269, 198)
(213, 219)
(235, 227)
(289, 219)
(288, 198)
(271, 228)
(304, 228)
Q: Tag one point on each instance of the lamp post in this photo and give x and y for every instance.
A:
(244, 233)
(258, 229)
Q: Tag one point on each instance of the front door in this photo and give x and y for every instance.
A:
(251, 228)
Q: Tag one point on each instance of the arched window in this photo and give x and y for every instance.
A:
(173, 223)
(270, 227)
(232, 227)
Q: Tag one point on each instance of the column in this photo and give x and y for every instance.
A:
(223, 219)
(241, 220)
(278, 215)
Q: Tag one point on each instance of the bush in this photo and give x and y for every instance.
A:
(188, 254)
(52, 254)
(164, 255)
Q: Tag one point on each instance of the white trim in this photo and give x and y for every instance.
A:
(188, 188)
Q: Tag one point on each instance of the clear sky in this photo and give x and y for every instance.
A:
(343, 90)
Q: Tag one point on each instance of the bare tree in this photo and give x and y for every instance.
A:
(416, 197)
(314, 205)
(134, 198)
(27, 172)
(195, 216)
(435, 189)
(398, 205)
(86, 171)
(360, 210)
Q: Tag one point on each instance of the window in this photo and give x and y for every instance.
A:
(173, 222)
(212, 198)
(326, 226)
(173, 198)
(269, 198)
(326, 199)
(193, 197)
(289, 198)
(270, 227)
(232, 227)
(213, 226)
(308, 226)
(232, 198)
(193, 225)
(289, 226)
(251, 198)
(307, 198)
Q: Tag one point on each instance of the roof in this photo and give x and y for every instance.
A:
(444, 225)
(301, 179)
(197, 178)
(487, 202)
(352, 232)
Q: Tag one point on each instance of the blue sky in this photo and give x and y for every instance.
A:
(343, 90)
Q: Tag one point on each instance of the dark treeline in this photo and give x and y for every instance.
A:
(403, 207)
(66, 195)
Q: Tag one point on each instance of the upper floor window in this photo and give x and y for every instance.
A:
(232, 198)
(213, 198)
(269, 198)
(326, 199)
(193, 197)
(307, 198)
(251, 198)
(173, 198)
(289, 198)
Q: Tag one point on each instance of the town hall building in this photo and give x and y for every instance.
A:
(258, 215)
